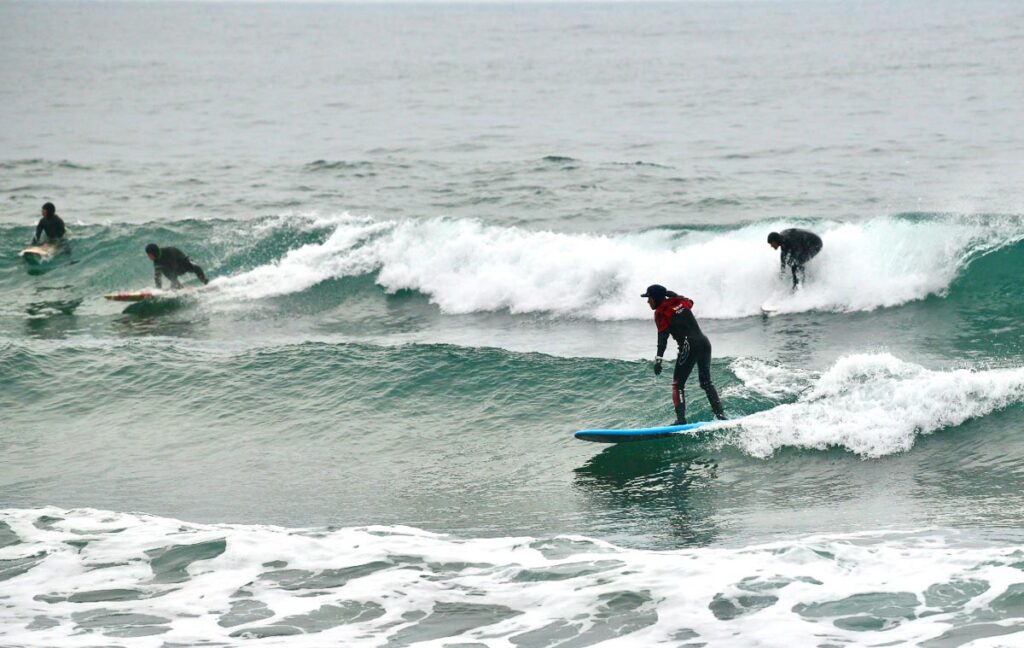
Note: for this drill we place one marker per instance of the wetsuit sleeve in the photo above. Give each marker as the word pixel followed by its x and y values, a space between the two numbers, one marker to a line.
pixel 662 343
pixel 661 321
pixel 200 274
pixel 39 232
pixel 156 276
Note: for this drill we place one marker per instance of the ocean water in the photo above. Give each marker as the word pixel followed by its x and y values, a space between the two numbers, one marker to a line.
pixel 427 228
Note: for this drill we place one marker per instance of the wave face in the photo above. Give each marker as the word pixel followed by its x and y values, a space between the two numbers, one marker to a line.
pixel 450 438
pixel 83 576
pixel 465 266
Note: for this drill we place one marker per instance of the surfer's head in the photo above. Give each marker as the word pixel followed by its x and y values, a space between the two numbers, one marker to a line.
pixel 49 210
pixel 152 251
pixel 655 294
pixel 774 240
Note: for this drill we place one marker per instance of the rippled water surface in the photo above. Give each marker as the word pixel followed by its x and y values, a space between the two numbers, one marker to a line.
pixel 427 229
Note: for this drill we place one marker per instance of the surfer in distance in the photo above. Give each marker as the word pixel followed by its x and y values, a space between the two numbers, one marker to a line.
pixel 798 247
pixel 51 224
pixel 172 263
pixel 673 316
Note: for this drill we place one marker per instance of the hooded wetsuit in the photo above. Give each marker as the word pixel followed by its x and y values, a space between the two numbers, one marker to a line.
pixel 798 247
pixel 674 317
pixel 54 228
pixel 172 262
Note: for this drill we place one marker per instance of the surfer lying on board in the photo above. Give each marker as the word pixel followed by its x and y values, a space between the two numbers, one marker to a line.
pixel 50 223
pixel 673 317
pixel 171 262
pixel 798 247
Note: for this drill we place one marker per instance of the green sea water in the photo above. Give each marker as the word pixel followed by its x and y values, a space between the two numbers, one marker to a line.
pixel 267 400
pixel 427 229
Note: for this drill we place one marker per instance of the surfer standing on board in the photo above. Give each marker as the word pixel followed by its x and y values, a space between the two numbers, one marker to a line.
pixel 171 262
pixel 50 223
pixel 672 316
pixel 798 247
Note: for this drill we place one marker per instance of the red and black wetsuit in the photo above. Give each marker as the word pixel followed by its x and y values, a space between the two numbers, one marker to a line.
pixel 674 317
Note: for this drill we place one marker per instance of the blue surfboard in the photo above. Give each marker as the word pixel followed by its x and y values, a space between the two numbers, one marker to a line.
pixel 639 434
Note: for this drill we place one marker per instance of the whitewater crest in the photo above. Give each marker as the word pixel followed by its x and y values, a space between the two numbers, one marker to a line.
pixel 465 266
pixel 85 577
pixel 870 404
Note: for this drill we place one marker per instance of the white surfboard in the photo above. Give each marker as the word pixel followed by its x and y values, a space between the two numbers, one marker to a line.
pixel 37 254
pixel 151 293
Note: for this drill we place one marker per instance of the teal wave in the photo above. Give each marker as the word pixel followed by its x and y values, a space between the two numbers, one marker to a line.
pixel 420 384
pixel 111 257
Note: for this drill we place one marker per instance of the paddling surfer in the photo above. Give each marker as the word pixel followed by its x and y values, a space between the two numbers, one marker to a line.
pixel 51 224
pixel 171 263
pixel 672 316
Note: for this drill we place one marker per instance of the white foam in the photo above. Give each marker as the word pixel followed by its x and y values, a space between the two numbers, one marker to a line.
pixel 674 592
pixel 771 380
pixel 873 405
pixel 304 267
pixel 465 266
pixel 307 221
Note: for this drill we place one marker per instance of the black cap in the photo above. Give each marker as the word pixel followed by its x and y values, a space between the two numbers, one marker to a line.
pixel 655 290
pixel 49 209
pixel 152 249
pixel 774 237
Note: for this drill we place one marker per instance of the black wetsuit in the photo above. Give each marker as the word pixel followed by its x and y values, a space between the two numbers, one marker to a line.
pixel 172 262
pixel 54 228
pixel 798 247
pixel 673 317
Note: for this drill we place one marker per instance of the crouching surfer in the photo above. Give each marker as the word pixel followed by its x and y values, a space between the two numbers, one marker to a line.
pixel 673 316
pixel 171 263
pixel 798 247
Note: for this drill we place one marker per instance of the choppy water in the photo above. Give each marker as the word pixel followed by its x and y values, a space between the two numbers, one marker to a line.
pixel 427 229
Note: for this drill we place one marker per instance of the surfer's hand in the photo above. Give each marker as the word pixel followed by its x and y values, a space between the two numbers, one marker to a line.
pixel 657 366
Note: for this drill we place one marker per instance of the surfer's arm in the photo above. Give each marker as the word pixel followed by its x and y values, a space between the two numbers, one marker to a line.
pixel 156 277
pixel 200 274
pixel 39 232
pixel 662 342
